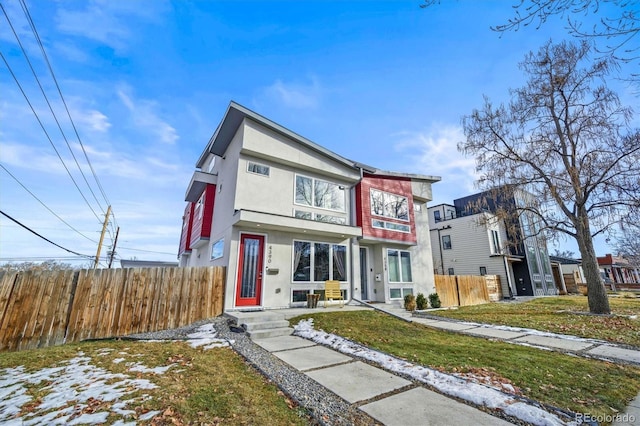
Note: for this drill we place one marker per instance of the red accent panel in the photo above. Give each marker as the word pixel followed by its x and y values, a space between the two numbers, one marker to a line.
pixel 187 225
pixel 203 214
pixel 393 185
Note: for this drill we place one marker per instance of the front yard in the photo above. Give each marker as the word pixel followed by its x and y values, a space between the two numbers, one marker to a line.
pixel 567 382
pixel 159 383
pixel 563 314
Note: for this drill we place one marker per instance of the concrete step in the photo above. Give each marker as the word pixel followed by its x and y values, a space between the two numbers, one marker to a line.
pixel 271 332
pixel 264 325
pixel 252 317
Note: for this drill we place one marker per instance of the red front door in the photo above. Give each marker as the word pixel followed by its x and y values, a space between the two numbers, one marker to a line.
pixel 250 262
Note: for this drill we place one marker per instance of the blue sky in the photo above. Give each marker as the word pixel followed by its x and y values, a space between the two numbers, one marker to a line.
pixel 146 83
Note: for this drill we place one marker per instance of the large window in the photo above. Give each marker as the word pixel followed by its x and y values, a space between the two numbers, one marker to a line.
pixel 319 193
pixel 399 266
pixel 389 205
pixel 314 261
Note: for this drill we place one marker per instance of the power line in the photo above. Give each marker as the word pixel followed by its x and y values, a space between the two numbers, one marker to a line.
pixel 44 238
pixel 33 71
pixel 46 133
pixel 44 54
pixel 146 251
pixel 45 206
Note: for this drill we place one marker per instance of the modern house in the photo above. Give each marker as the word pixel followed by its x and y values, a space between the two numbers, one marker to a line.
pixel 284 215
pixel 468 237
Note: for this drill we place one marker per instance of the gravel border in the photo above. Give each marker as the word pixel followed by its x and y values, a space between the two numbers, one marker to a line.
pixel 322 405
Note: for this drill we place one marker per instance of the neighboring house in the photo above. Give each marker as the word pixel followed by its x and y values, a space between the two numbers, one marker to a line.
pixel 618 270
pixel 567 273
pixel 283 215
pixel 468 238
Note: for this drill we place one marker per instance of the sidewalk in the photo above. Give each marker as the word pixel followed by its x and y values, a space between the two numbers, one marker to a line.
pixel 393 400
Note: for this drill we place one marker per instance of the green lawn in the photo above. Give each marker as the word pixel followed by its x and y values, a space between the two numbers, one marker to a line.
pixel 568 382
pixel 563 314
pixel 208 387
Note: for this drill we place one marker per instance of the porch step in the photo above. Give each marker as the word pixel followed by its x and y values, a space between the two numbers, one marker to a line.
pixel 265 325
pixel 261 325
pixel 270 332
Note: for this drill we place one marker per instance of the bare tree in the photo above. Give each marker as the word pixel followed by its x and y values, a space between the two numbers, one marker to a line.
pixel 47 265
pixel 566 139
pixel 627 242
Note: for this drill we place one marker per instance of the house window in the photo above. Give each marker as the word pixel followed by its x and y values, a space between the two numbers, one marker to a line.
pixel 483 270
pixel 314 261
pixel 446 242
pixel 436 216
pixel 450 271
pixel 399 293
pixel 319 193
pixel 300 214
pixel 200 206
pixel 495 242
pixel 217 249
pixel 258 169
pixel 383 224
pixel 399 266
pixel 389 205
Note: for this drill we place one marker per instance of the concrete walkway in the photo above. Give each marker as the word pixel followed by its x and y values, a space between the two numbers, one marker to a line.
pixel 383 395
pixel 388 398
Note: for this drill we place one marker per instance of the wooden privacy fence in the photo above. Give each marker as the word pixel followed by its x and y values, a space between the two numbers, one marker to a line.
pixel 46 308
pixel 464 290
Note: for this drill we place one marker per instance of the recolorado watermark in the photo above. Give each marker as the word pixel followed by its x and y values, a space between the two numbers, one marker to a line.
pixel 606 418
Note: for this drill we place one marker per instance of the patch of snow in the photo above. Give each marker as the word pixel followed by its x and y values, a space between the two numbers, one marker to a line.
pixel 206 336
pixel 118 360
pixel 75 382
pixel 446 383
pixel 144 369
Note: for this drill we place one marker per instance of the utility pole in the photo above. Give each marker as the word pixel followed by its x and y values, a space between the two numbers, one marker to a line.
pixel 113 249
pixel 104 230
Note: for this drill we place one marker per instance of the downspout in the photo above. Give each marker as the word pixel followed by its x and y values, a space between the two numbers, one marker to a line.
pixel 352 203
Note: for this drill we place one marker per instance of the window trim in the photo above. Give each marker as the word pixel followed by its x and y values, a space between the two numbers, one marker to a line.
pixel 450 245
pixel 250 163
pixel 313 193
pixel 312 244
pixel 386 228
pixel 402 281
pixel 371 190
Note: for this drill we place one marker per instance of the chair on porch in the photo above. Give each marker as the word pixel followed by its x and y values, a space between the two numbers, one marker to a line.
pixel 332 292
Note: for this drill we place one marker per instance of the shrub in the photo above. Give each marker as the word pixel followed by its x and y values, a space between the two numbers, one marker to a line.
pixel 421 302
pixel 434 300
pixel 410 302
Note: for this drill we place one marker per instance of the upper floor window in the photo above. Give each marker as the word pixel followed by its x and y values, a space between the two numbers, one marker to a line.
pixel 389 205
pixel 495 242
pixel 259 169
pixel 436 216
pixel 200 206
pixel 446 242
pixel 319 193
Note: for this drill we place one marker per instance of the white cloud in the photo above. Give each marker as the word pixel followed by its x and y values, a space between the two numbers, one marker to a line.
pixel 295 95
pixel 108 22
pixel 144 116
pixel 434 152
pixel 93 119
